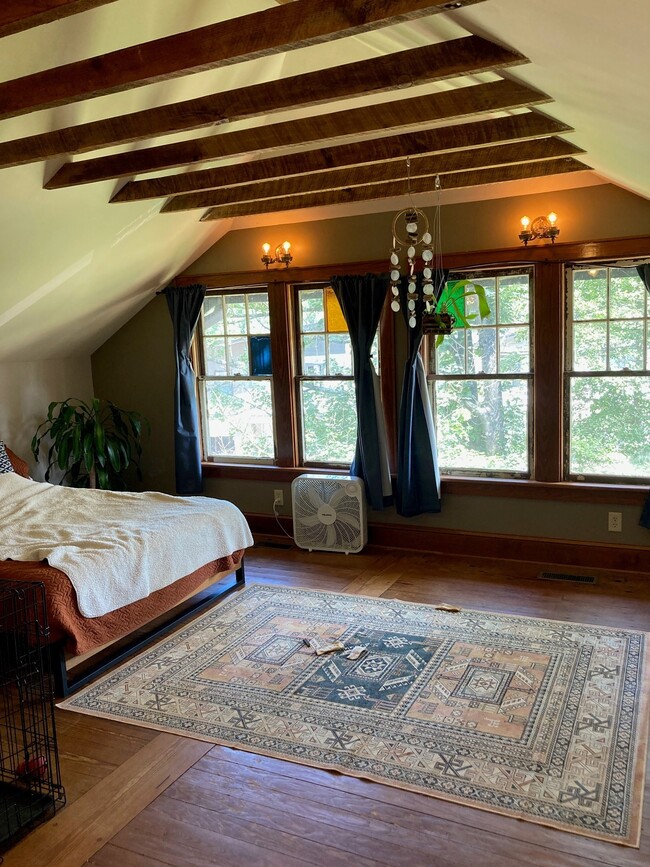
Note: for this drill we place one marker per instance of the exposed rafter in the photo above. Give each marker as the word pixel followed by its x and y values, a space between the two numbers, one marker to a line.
pixel 17 15
pixel 520 127
pixel 397 188
pixel 465 56
pixel 374 173
pixel 271 31
pixel 417 111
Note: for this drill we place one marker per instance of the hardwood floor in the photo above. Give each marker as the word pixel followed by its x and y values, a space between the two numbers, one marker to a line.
pixel 140 797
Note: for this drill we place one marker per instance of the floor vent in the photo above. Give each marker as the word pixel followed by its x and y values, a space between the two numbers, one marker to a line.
pixel 561 576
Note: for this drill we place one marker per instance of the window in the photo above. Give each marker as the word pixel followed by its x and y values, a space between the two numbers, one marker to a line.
pixel 607 391
pixel 325 385
pixel 236 385
pixel 276 382
pixel 480 380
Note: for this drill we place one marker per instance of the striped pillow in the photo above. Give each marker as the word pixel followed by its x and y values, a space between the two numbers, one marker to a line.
pixel 5 464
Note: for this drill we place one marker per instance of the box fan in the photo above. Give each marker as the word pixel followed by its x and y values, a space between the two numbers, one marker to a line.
pixel 329 513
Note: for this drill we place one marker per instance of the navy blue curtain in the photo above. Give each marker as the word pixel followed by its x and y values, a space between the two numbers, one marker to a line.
pixel 418 475
pixel 184 308
pixel 644 274
pixel 362 300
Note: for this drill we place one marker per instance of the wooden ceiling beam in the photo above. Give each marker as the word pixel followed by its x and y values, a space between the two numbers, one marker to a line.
pixel 465 56
pixel 396 170
pixel 417 111
pixel 17 15
pixel 519 127
pixel 271 31
pixel 477 177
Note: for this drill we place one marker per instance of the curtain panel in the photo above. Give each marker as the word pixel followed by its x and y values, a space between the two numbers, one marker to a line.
pixel 184 305
pixel 362 299
pixel 418 474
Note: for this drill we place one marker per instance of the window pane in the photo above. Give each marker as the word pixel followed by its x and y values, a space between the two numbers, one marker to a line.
pixel 235 314
pixel 238 363
pixel 335 319
pixel 258 313
pixel 482 350
pixel 626 294
pixel 610 419
pixel 626 345
pixel 213 315
pixel 514 350
pixel 329 420
pixel 215 356
pixel 590 294
pixel 482 425
pixel 313 355
pixel 450 355
pixel 471 302
pixel 312 315
pixel 239 419
pixel 261 357
pixel 339 351
pixel 590 346
pixel 514 298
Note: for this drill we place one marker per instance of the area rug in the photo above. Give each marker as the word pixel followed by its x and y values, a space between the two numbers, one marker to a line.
pixel 538 719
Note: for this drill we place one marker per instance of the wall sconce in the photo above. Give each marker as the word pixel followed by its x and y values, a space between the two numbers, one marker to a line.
pixel 282 254
pixel 540 227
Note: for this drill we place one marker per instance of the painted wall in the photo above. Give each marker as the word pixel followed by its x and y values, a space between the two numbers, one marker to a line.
pixel 590 213
pixel 135 367
pixel 26 390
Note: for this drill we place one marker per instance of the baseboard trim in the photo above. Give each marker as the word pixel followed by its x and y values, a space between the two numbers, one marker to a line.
pixel 628 558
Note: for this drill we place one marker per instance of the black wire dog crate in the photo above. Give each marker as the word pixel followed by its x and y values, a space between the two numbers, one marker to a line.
pixel 30 776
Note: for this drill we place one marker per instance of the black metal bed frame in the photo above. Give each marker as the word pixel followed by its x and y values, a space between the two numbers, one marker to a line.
pixel 122 649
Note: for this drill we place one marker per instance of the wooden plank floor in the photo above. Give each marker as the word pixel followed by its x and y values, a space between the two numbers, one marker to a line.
pixel 138 797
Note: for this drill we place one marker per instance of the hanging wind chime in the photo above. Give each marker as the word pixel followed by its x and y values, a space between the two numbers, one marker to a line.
pixel 411 234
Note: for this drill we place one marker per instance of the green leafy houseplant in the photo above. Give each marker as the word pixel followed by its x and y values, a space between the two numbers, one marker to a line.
pixel 92 443
pixel 449 309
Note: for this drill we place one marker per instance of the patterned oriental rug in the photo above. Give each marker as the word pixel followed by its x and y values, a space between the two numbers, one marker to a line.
pixel 537 719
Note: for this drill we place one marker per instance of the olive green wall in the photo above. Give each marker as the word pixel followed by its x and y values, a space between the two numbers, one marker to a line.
pixel 586 214
pixel 135 368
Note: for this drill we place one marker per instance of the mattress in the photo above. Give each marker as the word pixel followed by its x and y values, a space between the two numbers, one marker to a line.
pixel 82 634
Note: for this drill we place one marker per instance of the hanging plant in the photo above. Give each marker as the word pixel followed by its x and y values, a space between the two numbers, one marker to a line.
pixel 449 311
pixel 92 443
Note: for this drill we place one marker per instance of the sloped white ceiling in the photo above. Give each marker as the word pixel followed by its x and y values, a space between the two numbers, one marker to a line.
pixel 75 268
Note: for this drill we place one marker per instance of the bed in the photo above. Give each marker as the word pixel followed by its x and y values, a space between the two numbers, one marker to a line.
pixel 83 646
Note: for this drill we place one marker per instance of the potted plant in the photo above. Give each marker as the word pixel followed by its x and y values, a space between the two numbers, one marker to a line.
pixel 92 443
pixel 449 308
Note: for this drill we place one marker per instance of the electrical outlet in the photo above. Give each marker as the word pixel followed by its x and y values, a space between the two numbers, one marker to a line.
pixel 615 522
pixel 278 497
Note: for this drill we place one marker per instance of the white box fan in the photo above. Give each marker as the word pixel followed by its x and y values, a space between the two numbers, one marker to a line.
pixel 329 513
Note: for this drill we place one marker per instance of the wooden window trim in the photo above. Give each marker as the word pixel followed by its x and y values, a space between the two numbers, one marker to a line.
pixel 550 263
pixel 282 295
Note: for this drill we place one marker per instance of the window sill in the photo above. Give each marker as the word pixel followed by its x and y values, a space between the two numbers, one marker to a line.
pixel 524 489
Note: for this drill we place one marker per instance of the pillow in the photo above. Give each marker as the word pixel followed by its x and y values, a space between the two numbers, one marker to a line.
pixel 18 465
pixel 5 464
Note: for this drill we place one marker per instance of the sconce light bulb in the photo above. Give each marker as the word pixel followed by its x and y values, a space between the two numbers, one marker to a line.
pixel 525 222
pixel 552 218
pixel 286 246
pixel 266 248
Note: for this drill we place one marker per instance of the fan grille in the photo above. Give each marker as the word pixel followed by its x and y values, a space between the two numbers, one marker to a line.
pixel 329 514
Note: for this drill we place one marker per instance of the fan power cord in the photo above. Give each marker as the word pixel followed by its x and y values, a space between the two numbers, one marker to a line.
pixel 277 518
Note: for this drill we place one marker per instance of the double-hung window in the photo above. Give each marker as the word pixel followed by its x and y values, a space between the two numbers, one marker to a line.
pixel 607 378
pixel 328 416
pixel 237 376
pixel 480 380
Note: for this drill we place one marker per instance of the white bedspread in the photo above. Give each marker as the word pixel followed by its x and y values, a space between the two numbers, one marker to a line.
pixel 115 547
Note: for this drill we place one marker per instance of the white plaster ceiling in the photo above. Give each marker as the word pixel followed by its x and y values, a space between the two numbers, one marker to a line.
pixel 75 268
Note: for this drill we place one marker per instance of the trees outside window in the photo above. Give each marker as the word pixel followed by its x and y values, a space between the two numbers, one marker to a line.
pixel 480 380
pixel 607 391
